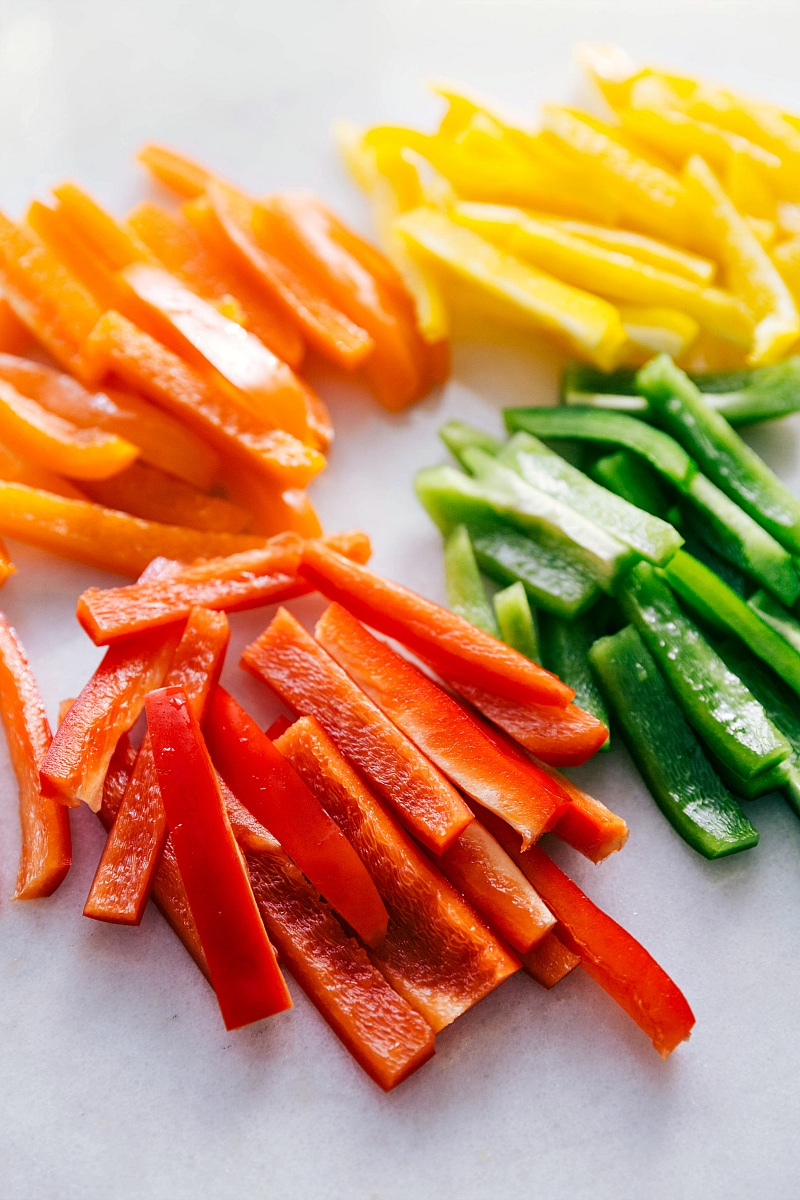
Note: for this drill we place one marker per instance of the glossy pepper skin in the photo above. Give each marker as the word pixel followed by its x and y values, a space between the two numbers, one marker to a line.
pixel 666 751
pixel 241 961
pixel 466 594
pixel 566 646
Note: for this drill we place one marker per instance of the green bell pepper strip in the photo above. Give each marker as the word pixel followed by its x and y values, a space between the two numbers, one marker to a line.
pixel 710 599
pixel 715 702
pixel 762 784
pixel 649 536
pixel 466 594
pixel 720 452
pixel 700 549
pixel 776 616
pixel 516 621
pixel 734 534
pixel 565 652
pixel 626 475
pixel 550 520
pixel 665 749
pixel 458 437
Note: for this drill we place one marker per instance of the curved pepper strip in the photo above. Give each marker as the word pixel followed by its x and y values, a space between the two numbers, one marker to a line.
pixel 310 682
pixel 16 469
pixel 522 795
pixel 124 875
pixel 452 646
pixel 241 962
pixel 608 953
pixel 437 952
pixel 146 492
pixel 46 853
pixel 273 792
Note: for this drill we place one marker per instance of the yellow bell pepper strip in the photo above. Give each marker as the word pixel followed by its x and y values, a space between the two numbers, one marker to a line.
pixel 651 251
pixel 16 469
pixel 591 327
pixel 102 537
pixel 46 853
pixel 116 345
pixel 657 331
pixel 608 272
pixel 58 311
pixel 752 274
pixel 15 337
pixel 57 444
pixel 149 493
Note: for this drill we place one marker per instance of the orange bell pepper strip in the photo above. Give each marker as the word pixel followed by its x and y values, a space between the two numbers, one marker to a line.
pixel 58 311
pixel 453 646
pixel 103 537
pixel 46 844
pixel 268 786
pixel 308 681
pixel 175 242
pixel 479 868
pixel 520 793
pixel 231 583
pixel 227 222
pixel 110 241
pixel 241 961
pixel 56 443
pixel 16 469
pixel 550 961
pixel 175 170
pixel 437 954
pixel 608 953
pixel 124 875
pixel 163 442
pixel 117 345
pixel 562 737
pixel 272 507
pixel 15 338
pixel 149 493
pixel 75 765
pixel 6 565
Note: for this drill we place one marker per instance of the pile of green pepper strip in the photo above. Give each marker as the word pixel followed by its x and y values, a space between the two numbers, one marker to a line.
pixel 653 565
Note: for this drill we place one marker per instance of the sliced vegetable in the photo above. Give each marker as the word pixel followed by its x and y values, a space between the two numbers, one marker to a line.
pixel 776 616
pixel 550 961
pixel 566 646
pixel 466 595
pixel 627 476
pixel 146 492
pixel 516 621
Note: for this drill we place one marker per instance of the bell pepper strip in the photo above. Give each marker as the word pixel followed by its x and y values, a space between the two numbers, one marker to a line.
pixel 175 242
pixel 230 583
pixel 753 275
pixel 565 647
pixel 57 310
pixel 552 581
pixel 176 171
pixel 75 764
pixel 14 336
pixel 6 565
pixel 273 508
pixel 309 681
pixel 551 519
pixel 652 538
pixel 466 595
pixel 720 451
pixel 163 442
pixel 104 537
pixel 549 962
pixel 611 273
pixel 437 954
pixel 776 616
pixel 770 780
pixel 228 222
pixel 241 962
pixel 666 751
pixel 269 787
pixel 761 394
pixel 648 251
pixel 58 444
pixel 627 476
pixel 279 726
pixel 589 325
pixel 516 622
pixel 445 640
pixel 146 492
pixel 608 953
pixel 124 875
pixel 16 469
pixel 46 853
pixel 719 707
pixel 458 436
pixel 524 796
pixel 118 346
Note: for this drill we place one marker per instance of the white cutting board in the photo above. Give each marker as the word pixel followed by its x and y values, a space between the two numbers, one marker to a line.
pixel 117 1079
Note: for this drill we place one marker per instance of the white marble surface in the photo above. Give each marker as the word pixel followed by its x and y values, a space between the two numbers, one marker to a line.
pixel 117 1080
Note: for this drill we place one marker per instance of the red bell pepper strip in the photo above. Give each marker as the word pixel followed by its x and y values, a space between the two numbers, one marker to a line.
pixel 608 953
pixel 131 854
pixel 276 796
pixel 278 726
pixel 232 583
pixel 46 844
pixel 241 961
pixel 308 681
pixel 454 647
pixel 478 867
pixel 75 766
pixel 519 792
pixel 550 961
pixel 561 737
pixel 437 954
